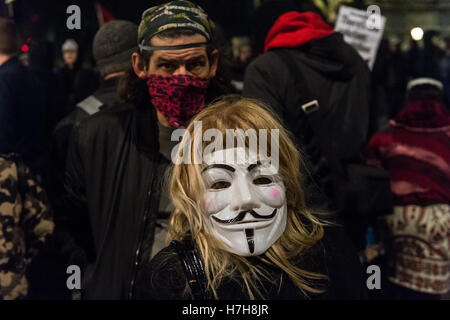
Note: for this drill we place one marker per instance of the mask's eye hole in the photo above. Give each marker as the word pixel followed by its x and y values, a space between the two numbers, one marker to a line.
pixel 262 180
pixel 220 185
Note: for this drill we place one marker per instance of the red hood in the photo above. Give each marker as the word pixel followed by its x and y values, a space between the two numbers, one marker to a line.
pixel 293 29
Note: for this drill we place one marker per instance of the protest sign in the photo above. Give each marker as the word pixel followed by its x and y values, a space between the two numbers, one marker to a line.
pixel 362 30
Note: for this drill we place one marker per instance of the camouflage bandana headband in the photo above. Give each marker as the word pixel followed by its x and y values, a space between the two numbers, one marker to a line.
pixel 172 15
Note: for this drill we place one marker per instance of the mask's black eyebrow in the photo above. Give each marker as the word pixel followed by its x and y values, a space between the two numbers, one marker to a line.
pixel 220 166
pixel 253 166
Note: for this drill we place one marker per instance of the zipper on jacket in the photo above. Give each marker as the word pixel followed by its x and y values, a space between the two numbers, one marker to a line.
pixel 142 235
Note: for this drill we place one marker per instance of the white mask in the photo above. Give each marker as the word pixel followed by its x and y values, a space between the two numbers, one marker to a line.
pixel 245 200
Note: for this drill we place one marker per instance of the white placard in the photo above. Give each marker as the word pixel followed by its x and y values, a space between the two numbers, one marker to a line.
pixel 362 30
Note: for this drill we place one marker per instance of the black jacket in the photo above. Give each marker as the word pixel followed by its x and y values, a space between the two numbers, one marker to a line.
pixel 106 96
pixel 334 256
pixel 114 168
pixel 22 113
pixel 336 76
pixel 55 259
pixel 114 177
pixel 73 85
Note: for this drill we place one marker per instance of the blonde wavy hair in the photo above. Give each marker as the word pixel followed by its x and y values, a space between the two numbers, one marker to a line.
pixel 303 228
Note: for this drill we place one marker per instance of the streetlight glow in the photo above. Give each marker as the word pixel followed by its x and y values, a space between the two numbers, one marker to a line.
pixel 417 33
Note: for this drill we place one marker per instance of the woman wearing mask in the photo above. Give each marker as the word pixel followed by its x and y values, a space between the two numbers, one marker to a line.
pixel 241 228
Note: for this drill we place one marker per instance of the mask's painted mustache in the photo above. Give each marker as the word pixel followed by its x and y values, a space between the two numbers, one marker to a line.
pixel 242 214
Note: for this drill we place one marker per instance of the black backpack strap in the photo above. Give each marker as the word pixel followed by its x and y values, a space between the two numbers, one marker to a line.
pixel 313 112
pixel 308 102
pixel 193 267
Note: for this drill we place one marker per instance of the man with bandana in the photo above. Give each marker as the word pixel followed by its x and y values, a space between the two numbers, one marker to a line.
pixel 115 193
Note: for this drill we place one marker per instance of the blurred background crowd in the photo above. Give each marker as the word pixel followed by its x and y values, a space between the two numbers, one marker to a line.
pixel 416 42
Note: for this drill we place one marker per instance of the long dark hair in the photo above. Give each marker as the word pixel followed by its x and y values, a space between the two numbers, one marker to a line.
pixel 131 88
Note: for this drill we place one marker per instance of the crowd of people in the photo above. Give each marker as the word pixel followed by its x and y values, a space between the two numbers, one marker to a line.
pixel 92 176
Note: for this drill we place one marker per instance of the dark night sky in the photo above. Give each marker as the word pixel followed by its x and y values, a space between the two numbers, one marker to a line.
pixel 233 15
pixel 46 19
pixel 35 17
pixel 39 18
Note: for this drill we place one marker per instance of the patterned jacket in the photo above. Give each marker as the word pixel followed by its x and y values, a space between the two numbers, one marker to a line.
pixel 25 222
pixel 415 150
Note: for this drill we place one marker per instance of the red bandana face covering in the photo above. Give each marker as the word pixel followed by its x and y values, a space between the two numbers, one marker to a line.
pixel 178 97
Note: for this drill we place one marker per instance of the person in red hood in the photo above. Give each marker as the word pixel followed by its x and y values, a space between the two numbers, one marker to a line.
pixel 320 87
pixel 415 149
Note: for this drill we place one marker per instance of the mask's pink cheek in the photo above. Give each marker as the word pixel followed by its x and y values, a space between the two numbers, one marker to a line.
pixel 207 203
pixel 274 193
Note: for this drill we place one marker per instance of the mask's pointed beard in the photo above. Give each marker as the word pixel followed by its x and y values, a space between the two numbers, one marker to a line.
pixel 250 239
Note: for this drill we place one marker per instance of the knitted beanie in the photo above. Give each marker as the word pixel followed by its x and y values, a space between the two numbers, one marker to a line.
pixel 69 45
pixel 113 45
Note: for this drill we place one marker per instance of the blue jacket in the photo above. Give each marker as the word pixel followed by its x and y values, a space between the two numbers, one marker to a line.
pixel 22 113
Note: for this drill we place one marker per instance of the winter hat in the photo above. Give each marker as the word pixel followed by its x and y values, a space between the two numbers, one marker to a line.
pixel 9 39
pixel 69 45
pixel 293 29
pixel 113 45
